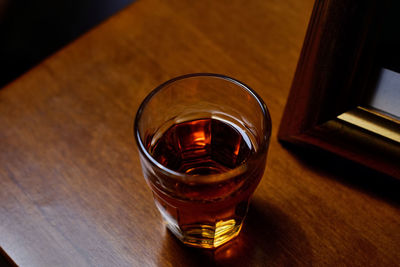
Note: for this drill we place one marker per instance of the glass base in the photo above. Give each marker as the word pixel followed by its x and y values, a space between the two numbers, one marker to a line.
pixel 205 235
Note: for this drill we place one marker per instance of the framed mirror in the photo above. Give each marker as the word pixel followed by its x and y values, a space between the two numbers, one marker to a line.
pixel 345 95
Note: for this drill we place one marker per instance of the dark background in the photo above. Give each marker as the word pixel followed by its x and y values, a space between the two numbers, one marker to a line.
pixel 30 30
pixel 389 39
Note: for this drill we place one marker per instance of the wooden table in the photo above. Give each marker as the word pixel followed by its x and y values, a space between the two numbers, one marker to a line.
pixel 71 188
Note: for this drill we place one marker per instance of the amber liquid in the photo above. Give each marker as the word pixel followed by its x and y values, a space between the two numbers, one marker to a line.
pixel 204 214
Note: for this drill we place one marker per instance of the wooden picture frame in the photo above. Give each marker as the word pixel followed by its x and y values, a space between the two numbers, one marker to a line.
pixel 336 70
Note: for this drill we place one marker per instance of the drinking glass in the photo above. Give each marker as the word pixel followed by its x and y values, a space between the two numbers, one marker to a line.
pixel 203 141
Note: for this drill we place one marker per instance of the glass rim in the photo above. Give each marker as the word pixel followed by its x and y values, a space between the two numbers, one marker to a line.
pixel 210 177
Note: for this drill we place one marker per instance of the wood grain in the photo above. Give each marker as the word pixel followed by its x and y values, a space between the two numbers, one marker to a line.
pixel 72 192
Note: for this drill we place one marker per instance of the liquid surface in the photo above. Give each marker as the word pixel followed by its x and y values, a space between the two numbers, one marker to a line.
pixel 204 146
pixel 204 214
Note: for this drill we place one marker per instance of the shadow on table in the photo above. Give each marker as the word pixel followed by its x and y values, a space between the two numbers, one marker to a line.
pixel 269 237
pixel 348 172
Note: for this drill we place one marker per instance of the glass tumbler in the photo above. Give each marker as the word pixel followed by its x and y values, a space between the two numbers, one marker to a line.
pixel 203 141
